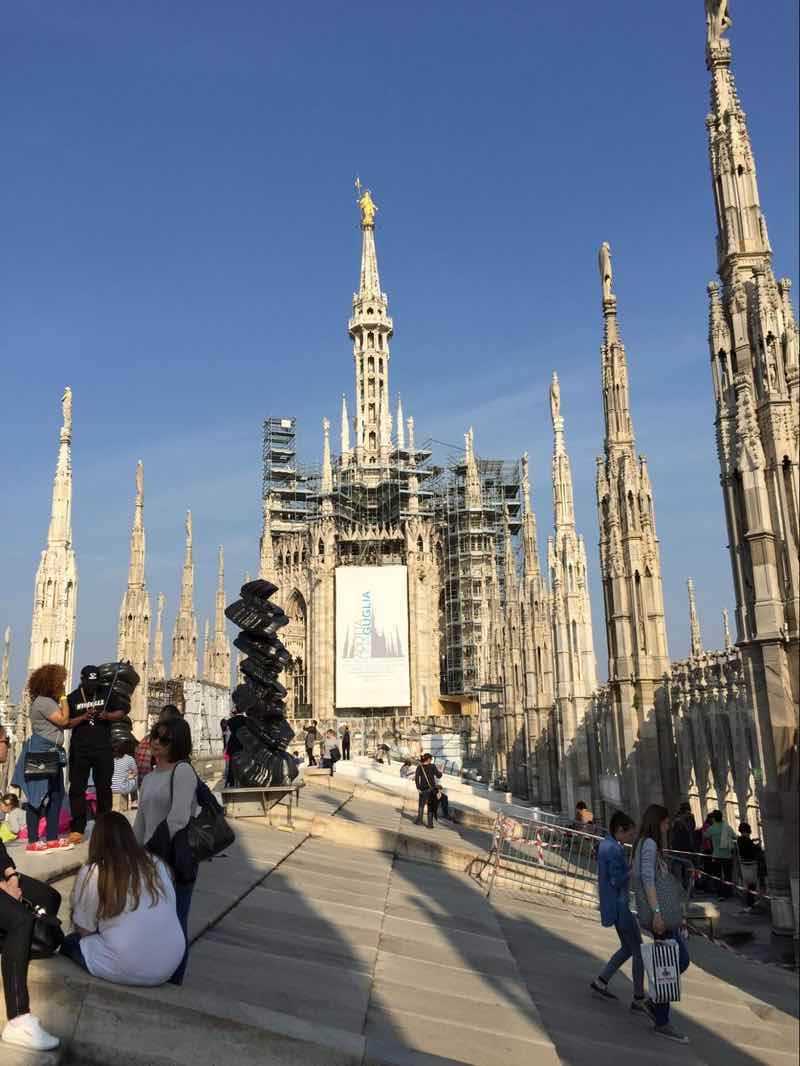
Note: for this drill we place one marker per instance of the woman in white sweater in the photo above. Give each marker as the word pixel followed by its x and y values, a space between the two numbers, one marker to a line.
pixel 168 794
pixel 123 910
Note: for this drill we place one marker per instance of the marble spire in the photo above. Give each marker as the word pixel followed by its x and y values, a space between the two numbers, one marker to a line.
pixel 370 328
pixel 401 426
pixel 133 639
pixel 184 635
pixel 345 431
pixel 5 684
pixel 326 483
pixel 696 640
pixel 56 586
pixel 726 630
pixel 473 484
pixel 220 672
pixel 157 671
pixel 207 668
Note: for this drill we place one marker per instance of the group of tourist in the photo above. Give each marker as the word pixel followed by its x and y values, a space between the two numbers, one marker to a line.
pixel 126 895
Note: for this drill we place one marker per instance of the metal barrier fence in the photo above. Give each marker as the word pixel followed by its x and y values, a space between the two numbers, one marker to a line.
pixel 563 860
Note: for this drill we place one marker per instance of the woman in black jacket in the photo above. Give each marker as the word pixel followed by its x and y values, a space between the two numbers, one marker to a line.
pixel 22 1029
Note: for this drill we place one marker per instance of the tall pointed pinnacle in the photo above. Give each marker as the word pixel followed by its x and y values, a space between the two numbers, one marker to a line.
pixel 5 684
pixel 184 636
pixel 696 640
pixel 133 640
pixel 401 426
pixel 327 471
pixel 157 671
pixel 530 546
pixel 472 481
pixel 563 498
pixel 741 226
pixel 411 444
pixel 726 630
pixel 614 367
pixel 56 587
pixel 266 562
pixel 345 431
pixel 220 655
pixel 371 329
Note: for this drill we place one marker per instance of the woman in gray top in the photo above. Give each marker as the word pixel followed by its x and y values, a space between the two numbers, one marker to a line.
pixel 48 714
pixel 656 898
pixel 168 794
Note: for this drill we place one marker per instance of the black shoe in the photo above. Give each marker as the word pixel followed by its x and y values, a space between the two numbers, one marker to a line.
pixel 601 989
pixel 644 1006
pixel 417 821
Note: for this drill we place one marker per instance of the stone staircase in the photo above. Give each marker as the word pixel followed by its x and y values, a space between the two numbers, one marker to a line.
pixel 359 940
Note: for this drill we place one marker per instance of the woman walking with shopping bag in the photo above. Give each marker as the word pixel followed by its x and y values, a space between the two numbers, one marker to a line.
pixel 659 905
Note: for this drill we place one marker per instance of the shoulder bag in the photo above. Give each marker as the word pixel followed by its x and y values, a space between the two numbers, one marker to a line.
pixel 669 892
pixel 205 834
pixel 48 936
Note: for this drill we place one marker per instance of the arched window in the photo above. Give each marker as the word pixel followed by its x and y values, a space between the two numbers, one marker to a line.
pixel 321 548
pixel 420 546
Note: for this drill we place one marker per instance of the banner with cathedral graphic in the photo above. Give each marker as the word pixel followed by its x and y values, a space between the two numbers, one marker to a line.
pixel 372 668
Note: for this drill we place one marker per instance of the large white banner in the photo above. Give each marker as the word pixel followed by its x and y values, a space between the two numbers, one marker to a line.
pixel 372 636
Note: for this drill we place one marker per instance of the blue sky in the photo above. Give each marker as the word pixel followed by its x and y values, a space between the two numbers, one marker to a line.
pixel 180 244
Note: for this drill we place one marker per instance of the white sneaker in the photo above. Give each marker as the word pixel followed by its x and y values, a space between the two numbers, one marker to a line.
pixel 26 1031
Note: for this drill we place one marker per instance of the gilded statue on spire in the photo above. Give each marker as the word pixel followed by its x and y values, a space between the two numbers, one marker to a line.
pixel 368 209
pixel 555 398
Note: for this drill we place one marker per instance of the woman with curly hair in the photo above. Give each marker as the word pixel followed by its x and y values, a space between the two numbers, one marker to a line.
pixel 49 714
pixel 123 909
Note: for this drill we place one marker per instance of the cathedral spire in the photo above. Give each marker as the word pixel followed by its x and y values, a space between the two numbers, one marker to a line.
pixel 327 472
pixel 157 671
pixel 133 639
pixel 410 427
pixel 53 621
pixel 401 426
pixel 5 684
pixel 473 484
pixel 530 547
pixel 370 328
pixel 184 636
pixel 741 226
pixel 614 366
pixel 220 659
pixel 726 631
pixel 345 430
pixel 563 499
pixel 696 640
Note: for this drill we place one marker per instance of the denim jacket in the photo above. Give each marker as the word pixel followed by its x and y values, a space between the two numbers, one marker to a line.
pixel 613 879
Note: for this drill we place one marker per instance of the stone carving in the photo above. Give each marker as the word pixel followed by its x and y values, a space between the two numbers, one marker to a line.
pixel 717 22
pixel 606 275
pixel 368 209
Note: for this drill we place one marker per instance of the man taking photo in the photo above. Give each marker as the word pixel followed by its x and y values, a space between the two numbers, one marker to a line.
pixel 90 750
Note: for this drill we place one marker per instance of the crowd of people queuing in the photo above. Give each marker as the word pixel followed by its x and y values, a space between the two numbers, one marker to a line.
pixel 661 859
pixel 125 894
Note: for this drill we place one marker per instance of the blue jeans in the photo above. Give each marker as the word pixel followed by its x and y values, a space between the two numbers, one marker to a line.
pixel 630 940
pixel 661 1010
pixel 183 901
pixel 71 949
pixel 54 801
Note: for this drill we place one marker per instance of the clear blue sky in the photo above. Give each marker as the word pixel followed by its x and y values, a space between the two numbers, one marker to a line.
pixel 179 243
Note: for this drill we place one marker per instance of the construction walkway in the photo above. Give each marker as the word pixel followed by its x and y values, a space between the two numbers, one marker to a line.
pixel 359 940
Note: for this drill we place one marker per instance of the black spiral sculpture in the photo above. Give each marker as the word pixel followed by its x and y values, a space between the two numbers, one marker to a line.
pixel 264 734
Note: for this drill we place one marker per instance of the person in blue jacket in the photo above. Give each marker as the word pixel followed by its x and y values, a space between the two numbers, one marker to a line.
pixel 613 883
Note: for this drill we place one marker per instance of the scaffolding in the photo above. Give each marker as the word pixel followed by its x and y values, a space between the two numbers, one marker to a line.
pixel 473 546
pixel 290 488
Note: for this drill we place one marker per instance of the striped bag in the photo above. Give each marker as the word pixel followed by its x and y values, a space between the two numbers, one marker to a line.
pixel 661 964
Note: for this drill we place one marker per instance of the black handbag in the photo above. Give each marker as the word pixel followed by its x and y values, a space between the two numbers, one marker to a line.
pixel 42 764
pixel 48 936
pixel 204 835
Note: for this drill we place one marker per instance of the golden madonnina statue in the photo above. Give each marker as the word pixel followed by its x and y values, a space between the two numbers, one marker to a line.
pixel 368 209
